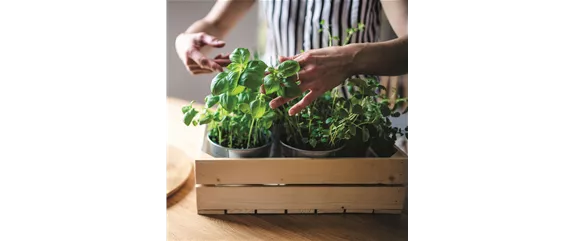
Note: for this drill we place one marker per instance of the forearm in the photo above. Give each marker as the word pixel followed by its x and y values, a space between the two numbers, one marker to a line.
pixel 389 58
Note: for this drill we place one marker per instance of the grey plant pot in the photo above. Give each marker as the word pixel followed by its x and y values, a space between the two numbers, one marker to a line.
pixel 289 151
pixel 225 152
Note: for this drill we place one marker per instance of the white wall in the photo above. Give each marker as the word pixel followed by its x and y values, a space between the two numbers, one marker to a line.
pixel 180 15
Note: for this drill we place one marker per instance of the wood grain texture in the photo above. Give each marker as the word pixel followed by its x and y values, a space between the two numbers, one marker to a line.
pixel 302 171
pixel 300 197
pixel 185 224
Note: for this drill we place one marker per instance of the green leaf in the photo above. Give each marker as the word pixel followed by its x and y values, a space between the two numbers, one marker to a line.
pixel 313 142
pixel 288 68
pixel 271 84
pixel 357 109
pixel 244 107
pixel 233 79
pixel 240 55
pixel 291 90
pixel 281 91
pixel 353 130
pixel 329 120
pixel 269 115
pixel 235 67
pixel 211 100
pixel 246 97
pixel 267 124
pixel 219 84
pixel 258 108
pixel 257 65
pixel 322 21
pixel 228 102
pixel 189 116
pixel 237 90
pixel 252 77
pixel 365 134
pixel 186 108
pixel 205 118
pixel 358 82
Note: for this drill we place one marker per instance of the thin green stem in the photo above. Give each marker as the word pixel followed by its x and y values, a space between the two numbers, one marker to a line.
pixel 250 130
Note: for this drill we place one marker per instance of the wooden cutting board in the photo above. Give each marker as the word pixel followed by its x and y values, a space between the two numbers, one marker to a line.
pixel 179 167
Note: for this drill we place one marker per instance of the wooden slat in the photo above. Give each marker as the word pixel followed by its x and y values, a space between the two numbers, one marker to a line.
pixel 301 171
pixel 319 211
pixel 240 211
pixel 358 210
pixel 207 211
pixel 389 211
pixel 299 197
pixel 270 211
pixel 300 211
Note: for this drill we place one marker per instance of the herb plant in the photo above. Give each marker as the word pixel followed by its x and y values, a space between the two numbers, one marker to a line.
pixel 375 119
pixel 236 113
pixel 332 120
pixel 328 121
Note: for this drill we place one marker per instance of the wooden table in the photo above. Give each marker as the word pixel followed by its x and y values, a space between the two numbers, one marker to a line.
pixel 183 222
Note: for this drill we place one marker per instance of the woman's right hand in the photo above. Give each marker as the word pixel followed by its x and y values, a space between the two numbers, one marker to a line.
pixel 188 47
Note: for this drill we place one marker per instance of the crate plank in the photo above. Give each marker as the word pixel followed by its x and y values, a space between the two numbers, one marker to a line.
pixel 301 171
pixel 300 211
pixel 388 211
pixel 300 197
pixel 340 210
pixel 240 211
pixel 358 210
pixel 270 211
pixel 208 211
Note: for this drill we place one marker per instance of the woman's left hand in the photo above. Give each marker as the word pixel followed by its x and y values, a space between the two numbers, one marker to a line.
pixel 321 71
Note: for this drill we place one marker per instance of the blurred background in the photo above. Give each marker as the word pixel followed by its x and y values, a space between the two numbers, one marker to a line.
pixel 249 33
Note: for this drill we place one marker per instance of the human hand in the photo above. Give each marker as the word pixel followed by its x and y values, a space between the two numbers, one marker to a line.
pixel 321 71
pixel 189 46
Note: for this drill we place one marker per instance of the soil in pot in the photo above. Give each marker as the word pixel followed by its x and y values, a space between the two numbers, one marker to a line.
pixel 298 148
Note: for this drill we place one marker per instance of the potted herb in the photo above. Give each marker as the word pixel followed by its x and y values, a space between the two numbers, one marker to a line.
pixel 236 113
pixel 322 128
pixel 375 123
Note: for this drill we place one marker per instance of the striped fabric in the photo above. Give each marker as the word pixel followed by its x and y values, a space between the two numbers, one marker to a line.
pixel 293 25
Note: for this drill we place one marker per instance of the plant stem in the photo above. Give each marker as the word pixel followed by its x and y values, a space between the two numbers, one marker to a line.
pixel 310 118
pixel 219 135
pixel 250 130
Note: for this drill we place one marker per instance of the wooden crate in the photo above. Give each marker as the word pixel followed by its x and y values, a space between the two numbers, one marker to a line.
pixel 301 185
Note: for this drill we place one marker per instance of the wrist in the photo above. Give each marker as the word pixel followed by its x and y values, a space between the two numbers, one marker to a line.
pixel 356 57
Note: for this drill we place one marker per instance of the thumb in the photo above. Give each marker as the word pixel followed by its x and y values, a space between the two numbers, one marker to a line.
pixel 213 41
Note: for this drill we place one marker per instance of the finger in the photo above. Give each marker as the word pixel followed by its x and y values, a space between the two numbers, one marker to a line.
pixel 307 100
pixel 222 62
pixel 283 58
pixel 212 41
pixel 199 71
pixel 215 66
pixel 279 101
pixel 204 62
pixel 222 56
